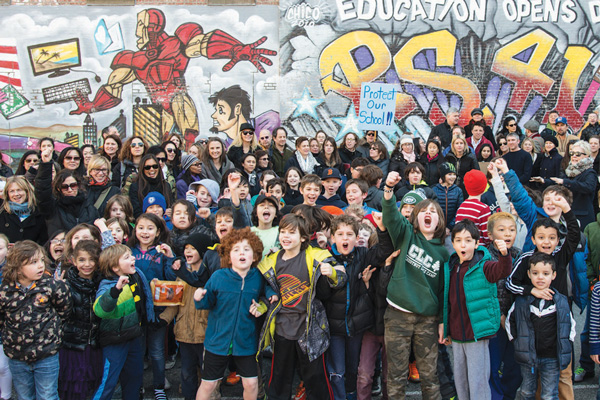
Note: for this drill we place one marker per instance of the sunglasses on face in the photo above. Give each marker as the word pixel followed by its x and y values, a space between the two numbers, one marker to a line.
pixel 137 144
pixel 511 125
pixel 71 186
pixel 69 158
pixel 149 167
pixel 162 159
pixel 36 161
pixel 264 138
pixel 264 159
pixel 197 164
pixel 170 150
pixel 370 134
pixel 203 141
pixel 576 154
pixel 247 133
pixel 502 143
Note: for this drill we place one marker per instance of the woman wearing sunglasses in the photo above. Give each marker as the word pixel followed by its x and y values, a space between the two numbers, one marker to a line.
pixel 72 158
pixel 509 125
pixel 243 144
pixel 99 186
pixel 173 157
pixel 131 154
pixel 161 155
pixel 580 178
pixel 149 179
pixel 62 200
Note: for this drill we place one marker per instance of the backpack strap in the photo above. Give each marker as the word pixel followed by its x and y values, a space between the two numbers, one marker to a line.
pixel 102 197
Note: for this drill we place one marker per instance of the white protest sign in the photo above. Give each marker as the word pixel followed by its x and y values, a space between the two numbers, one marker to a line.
pixel 377 106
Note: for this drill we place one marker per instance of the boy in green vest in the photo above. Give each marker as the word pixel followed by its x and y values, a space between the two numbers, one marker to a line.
pixel 471 308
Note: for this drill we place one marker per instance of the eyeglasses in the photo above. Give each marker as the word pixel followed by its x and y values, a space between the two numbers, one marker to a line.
pixel 170 150
pixel 511 125
pixel 149 167
pixel 137 144
pixel 100 170
pixel 162 159
pixel 57 241
pixel 71 186
pixel 69 158
pixel 247 133
pixel 576 154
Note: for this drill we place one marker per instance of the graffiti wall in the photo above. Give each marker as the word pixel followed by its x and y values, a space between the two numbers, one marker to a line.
pixel 509 57
pixel 67 72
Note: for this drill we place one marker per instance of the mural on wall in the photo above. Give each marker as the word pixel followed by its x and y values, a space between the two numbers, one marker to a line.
pixel 100 66
pixel 508 57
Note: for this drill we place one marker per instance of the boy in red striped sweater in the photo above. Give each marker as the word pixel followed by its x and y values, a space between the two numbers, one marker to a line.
pixel 475 183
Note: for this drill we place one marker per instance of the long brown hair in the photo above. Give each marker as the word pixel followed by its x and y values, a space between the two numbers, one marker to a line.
pixel 440 230
pixel 143 183
pixel 22 253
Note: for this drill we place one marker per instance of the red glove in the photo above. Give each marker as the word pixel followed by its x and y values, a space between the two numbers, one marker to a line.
pixel 102 101
pixel 223 45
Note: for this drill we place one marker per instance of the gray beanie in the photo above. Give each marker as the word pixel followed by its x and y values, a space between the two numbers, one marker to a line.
pixel 187 161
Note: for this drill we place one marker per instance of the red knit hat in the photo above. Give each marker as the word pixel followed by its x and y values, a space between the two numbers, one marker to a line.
pixel 475 182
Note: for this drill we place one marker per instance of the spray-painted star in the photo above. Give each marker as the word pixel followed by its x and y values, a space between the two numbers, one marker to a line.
pixel 306 105
pixel 349 123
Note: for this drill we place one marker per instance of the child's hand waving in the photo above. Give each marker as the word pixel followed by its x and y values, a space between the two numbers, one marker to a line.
pixel 561 203
pixel 254 309
pixel 123 280
pixel 199 294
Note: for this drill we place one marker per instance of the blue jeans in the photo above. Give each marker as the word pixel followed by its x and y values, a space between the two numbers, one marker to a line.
pixel 585 361
pixel 37 380
pixel 155 340
pixel 548 371
pixel 342 362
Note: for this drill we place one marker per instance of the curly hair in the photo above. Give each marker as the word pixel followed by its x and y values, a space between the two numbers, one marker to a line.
pixel 125 153
pixel 87 246
pixel 236 236
pixel 22 253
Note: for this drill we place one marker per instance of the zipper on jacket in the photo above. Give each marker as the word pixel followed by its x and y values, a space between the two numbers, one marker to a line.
pixel 462 321
pixel 237 313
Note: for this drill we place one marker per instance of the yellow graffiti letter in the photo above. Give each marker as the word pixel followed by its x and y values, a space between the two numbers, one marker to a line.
pixel 444 43
pixel 526 75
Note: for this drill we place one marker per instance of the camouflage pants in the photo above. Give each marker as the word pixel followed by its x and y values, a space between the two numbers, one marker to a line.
pixel 401 331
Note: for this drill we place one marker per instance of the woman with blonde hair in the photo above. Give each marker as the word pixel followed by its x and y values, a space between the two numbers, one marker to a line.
pixel 243 144
pixel 20 218
pixel 99 185
pixel 463 160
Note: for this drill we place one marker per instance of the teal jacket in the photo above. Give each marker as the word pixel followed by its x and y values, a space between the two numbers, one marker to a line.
pixel 480 292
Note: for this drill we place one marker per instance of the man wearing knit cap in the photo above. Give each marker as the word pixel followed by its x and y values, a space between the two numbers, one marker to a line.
pixel 477 116
pixel 532 129
pixel 475 183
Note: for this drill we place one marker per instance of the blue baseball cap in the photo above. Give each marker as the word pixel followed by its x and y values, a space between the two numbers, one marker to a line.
pixel 561 120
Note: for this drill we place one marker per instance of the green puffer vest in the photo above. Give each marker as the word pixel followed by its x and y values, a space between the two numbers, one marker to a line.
pixel 480 294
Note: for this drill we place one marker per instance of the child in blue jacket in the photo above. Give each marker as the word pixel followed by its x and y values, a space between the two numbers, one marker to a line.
pixel 232 296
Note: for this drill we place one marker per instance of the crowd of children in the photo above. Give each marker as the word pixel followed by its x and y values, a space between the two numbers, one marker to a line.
pixel 349 281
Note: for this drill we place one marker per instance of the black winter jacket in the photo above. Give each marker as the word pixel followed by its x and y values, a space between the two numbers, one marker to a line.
pixel 179 236
pixel 357 316
pixel 547 166
pixel 538 335
pixel 95 191
pixel 138 208
pixel 60 215
pixel 31 228
pixel 463 165
pixel 121 171
pixel 432 168
pixel 583 187
pixel 81 328
pixel 348 156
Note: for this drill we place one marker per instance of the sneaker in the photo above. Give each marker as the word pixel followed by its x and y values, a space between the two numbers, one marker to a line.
pixel 581 375
pixel 232 379
pixel 413 372
pixel 167 384
pixel 376 386
pixel 170 363
pixel 159 394
pixel 300 392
